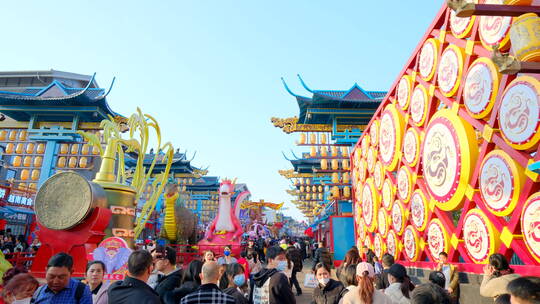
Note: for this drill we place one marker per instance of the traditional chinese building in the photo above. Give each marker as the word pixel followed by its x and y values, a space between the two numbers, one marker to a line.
pixel 41 112
pixel 329 123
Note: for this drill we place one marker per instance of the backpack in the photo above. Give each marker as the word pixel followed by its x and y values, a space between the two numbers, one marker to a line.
pixel 79 292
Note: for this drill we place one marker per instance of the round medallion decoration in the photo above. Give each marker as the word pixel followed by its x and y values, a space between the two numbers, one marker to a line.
pixel 378 175
pixel 448 151
pixel 481 87
pixel 404 91
pixel 461 26
pixel 480 236
pixel 383 222
pixel 370 205
pixel 419 105
pixel 530 225
pixel 357 158
pixel 362 174
pixel 519 113
pixel 494 29
pixel 371 159
pixel 374 132
pixel 411 147
pixel 411 243
pixel 378 245
pixel 367 241
pixel 419 210
pixel 392 243
pixel 404 184
pixel 390 135
pixel 365 145
pixel 450 70
pixel 387 194
pixel 501 181
pixel 437 238
pixel 398 217
pixel 428 59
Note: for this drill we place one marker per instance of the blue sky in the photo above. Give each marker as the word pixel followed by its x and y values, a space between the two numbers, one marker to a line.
pixel 210 71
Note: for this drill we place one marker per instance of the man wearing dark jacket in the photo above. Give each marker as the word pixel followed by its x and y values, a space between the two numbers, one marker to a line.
pixel 322 255
pixel 294 255
pixel 133 289
pixel 271 284
pixel 381 279
pixel 165 262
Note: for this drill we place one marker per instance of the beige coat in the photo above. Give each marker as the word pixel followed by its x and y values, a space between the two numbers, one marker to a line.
pixel 353 297
pixel 495 286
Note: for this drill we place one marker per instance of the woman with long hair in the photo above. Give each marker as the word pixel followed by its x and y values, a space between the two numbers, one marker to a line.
pixel 95 270
pixel 19 289
pixel 352 257
pixel 235 279
pixel 191 280
pixel 349 280
pixel 365 292
pixel 400 285
pixel 328 291
pixel 497 275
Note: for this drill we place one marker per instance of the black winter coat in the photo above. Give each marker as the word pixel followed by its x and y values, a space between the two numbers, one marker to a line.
pixel 329 294
pixel 174 297
pixel 130 291
pixel 295 256
pixel 168 283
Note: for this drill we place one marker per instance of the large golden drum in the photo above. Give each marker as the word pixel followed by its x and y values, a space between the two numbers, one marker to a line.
pixel 66 199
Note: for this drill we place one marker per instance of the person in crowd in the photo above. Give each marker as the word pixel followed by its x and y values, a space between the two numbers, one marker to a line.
pixel 429 293
pixel 156 274
pixel 503 299
pixel 381 280
pixel 525 290
pixel 244 262
pixel 351 257
pixel 95 270
pixel 348 278
pixel 235 280
pixel 295 257
pixel 133 289
pixel 365 292
pixel 191 280
pixel 208 292
pixel 271 285
pixel 377 265
pixel 368 254
pixel 165 262
pixel 226 258
pixel 437 278
pixel 251 247
pixel 322 255
pixel 36 242
pixel 328 291
pixel 19 289
pixel 11 272
pixel 303 251
pixel 60 287
pixel 209 256
pixel 451 276
pixel 400 285
pixel 254 264
pixel 497 275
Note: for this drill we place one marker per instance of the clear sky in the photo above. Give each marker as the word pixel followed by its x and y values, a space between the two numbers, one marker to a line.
pixel 209 70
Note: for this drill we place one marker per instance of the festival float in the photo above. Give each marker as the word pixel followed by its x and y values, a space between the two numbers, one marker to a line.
pixel 458 131
pixel 75 214
pixel 225 229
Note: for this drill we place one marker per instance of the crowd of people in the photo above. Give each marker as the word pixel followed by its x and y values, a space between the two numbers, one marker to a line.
pixel 264 272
